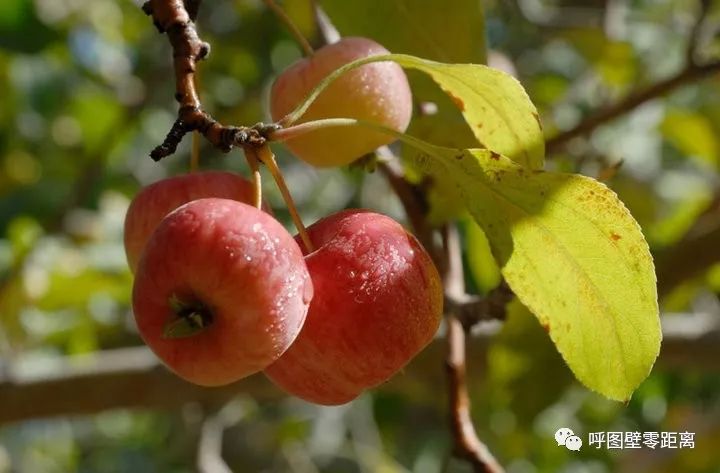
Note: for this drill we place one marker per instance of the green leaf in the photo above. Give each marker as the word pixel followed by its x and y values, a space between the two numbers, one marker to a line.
pixel 494 104
pixel 449 31
pixel 17 18
pixel 98 114
pixel 71 290
pixel 574 256
pixel 614 61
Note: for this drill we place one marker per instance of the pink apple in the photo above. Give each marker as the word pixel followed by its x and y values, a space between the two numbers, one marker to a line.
pixel 377 92
pixel 221 291
pixel 157 200
pixel 378 302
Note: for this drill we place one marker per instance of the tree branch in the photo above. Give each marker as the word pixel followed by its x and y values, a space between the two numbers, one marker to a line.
pixel 175 18
pixel 693 72
pixel 471 309
pixel 690 74
pixel 467 444
pixel 134 378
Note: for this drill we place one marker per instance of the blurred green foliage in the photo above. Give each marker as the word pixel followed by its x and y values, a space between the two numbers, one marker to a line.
pixel 88 92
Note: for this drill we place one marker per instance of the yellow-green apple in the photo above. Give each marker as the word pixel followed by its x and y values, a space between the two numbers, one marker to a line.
pixel 378 302
pixel 221 291
pixel 376 92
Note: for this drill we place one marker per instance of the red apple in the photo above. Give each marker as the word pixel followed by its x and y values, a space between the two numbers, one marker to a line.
pixel 221 291
pixel 157 200
pixel 378 92
pixel 378 302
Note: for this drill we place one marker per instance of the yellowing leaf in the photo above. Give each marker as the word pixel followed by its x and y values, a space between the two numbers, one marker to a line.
pixel 572 253
pixel 451 31
pixel 493 103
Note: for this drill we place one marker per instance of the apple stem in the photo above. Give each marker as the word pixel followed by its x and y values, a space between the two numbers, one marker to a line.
pixel 268 158
pixel 284 134
pixel 293 131
pixel 294 30
pixel 195 152
pixel 252 159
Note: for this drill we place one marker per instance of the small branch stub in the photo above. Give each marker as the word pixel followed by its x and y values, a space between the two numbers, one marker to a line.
pixel 175 18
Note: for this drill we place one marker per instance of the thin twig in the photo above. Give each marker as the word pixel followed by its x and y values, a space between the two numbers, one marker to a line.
pixel 266 156
pixel 252 159
pixel 688 75
pixel 467 444
pixel 294 30
pixel 691 73
pixel 176 19
pixel 471 309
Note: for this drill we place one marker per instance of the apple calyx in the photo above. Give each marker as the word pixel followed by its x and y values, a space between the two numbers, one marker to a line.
pixel 191 318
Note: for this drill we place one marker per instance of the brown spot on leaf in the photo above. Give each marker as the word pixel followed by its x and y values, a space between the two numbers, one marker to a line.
pixel 479 125
pixel 457 101
pixel 494 155
pixel 545 326
pixel 615 236
pixel 459 156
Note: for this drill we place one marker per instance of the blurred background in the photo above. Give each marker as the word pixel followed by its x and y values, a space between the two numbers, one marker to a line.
pixel 88 92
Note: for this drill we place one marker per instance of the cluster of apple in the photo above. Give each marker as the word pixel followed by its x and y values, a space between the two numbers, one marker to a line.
pixel 222 290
